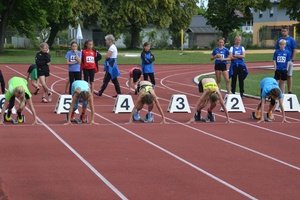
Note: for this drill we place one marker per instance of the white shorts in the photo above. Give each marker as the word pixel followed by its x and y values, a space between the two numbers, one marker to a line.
pixel 290 68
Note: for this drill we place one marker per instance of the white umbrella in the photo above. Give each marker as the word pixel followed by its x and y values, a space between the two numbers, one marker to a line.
pixel 79 36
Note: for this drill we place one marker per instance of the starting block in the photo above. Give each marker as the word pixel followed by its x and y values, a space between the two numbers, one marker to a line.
pixel 63 104
pixel 290 103
pixel 179 104
pixel 2 101
pixel 123 104
pixel 234 103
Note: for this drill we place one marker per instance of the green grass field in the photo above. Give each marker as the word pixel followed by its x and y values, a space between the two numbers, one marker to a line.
pixel 162 57
pixel 253 79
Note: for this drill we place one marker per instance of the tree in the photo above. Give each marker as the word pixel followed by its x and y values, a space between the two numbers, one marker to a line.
pixel 62 13
pixel 292 8
pixel 227 15
pixel 182 15
pixel 24 15
pixel 132 16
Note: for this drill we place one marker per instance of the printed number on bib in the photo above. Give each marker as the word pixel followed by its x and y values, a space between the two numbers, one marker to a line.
pixel 90 59
pixel 123 104
pixel 281 59
pixel 179 103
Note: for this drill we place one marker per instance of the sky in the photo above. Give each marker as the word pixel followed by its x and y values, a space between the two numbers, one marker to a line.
pixel 205 2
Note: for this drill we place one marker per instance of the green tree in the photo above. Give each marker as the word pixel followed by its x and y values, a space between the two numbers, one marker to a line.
pixel 62 13
pixel 182 15
pixel 132 16
pixel 24 15
pixel 292 8
pixel 227 15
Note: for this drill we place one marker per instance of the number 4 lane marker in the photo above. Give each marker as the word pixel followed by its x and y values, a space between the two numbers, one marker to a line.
pixel 123 104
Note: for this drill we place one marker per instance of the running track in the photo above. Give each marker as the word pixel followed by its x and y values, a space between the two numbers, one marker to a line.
pixel 115 160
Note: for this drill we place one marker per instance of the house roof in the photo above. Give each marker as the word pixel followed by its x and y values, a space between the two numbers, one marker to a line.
pixel 198 25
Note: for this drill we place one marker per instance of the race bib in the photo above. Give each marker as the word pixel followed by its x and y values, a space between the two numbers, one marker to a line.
pixel 90 59
pixel 72 58
pixel 281 59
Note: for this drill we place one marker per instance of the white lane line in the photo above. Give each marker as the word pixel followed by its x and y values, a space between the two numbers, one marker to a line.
pixel 84 161
pixel 225 140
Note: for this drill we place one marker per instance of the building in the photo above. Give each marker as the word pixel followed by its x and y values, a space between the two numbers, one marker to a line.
pixel 200 34
pixel 267 25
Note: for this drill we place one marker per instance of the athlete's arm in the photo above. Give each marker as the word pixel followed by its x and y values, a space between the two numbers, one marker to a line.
pixel 31 107
pixel 91 102
pixel 282 111
pixel 223 106
pixel 263 101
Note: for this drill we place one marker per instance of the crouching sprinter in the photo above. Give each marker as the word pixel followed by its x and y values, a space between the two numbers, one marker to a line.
pixel 146 95
pixel 210 95
pixel 269 88
pixel 17 89
pixel 81 93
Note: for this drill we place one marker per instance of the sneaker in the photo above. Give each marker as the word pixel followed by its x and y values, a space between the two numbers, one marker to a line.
pixel 270 115
pixel 83 118
pixel 290 92
pixel 149 118
pixel 7 118
pixel 98 94
pixel 44 100
pixel 36 91
pixel 21 119
pixel 210 117
pixel 49 96
pixel 136 116
pixel 197 116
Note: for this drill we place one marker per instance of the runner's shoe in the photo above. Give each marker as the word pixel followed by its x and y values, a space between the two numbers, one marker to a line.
pixel 50 96
pixel 270 115
pixel 149 118
pixel 211 117
pixel 136 116
pixel 83 118
pixel 21 119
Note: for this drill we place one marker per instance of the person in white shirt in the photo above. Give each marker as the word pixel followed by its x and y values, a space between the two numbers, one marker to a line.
pixel 110 66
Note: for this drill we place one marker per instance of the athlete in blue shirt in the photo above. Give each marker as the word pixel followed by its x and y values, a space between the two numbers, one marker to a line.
pixel 73 60
pixel 291 47
pixel 269 89
pixel 221 55
pixel 237 67
pixel 281 58
pixel 147 63
pixel 81 92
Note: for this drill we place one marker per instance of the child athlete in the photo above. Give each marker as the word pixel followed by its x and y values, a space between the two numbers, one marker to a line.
pixel 146 95
pixel 210 95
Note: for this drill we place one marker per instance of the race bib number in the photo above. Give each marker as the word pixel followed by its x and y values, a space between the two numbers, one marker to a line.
pixel 72 58
pixel 281 59
pixel 90 59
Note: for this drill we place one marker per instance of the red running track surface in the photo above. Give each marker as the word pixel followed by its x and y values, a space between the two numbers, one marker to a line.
pixel 115 160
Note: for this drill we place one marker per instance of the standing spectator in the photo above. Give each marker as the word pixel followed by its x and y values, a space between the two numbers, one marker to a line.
pixel 32 75
pixel 238 68
pixel 89 62
pixel 73 60
pixel 42 60
pixel 281 59
pixel 110 66
pixel 147 63
pixel 221 55
pixel 291 47
pixel 2 82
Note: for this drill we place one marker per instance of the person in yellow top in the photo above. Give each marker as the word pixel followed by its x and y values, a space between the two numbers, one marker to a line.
pixel 146 95
pixel 17 88
pixel 210 94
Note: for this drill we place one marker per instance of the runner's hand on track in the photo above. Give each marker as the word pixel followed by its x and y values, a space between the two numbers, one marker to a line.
pixel 94 123
pixel 261 120
pixel 68 123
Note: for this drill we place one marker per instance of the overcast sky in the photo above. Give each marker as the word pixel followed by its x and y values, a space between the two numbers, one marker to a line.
pixel 204 2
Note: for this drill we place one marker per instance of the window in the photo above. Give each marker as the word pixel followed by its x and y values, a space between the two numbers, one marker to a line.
pixel 271 12
pixel 260 14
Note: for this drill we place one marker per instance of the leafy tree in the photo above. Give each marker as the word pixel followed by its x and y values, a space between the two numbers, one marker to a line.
pixel 292 9
pixel 24 15
pixel 227 15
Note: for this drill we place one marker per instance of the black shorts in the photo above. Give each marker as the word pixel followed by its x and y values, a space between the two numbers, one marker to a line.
pixel 280 75
pixel 89 75
pixel 200 86
pixel 136 75
pixel 220 67
pixel 43 71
